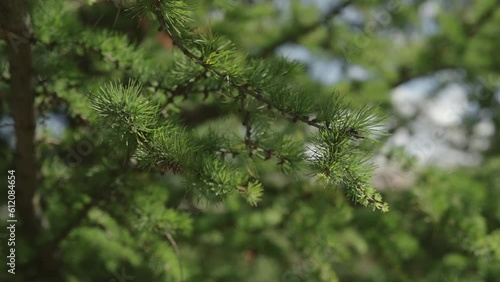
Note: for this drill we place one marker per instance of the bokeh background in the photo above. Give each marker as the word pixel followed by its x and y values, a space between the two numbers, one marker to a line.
pixel 431 67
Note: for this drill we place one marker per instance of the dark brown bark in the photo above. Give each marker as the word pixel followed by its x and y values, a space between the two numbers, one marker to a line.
pixel 16 31
pixel 15 23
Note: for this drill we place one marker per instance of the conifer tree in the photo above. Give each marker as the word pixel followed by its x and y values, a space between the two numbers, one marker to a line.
pixel 164 141
pixel 136 119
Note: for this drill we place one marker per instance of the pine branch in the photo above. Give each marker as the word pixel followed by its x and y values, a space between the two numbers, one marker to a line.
pixel 254 144
pixel 177 253
pixel 293 117
pixel 124 222
pixel 162 145
pixel 179 90
pixel 267 84
pixel 106 190
pixel 246 89
pixel 105 193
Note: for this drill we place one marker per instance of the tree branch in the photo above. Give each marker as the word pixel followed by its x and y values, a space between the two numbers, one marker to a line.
pixel 470 30
pixel 244 89
pixel 104 195
pixel 295 34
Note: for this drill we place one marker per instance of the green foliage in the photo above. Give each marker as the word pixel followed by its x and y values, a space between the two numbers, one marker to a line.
pixel 266 84
pixel 191 153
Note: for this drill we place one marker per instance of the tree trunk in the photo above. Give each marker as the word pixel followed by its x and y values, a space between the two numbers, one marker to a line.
pixel 16 29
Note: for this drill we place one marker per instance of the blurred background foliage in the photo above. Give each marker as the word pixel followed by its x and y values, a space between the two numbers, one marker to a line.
pixel 432 66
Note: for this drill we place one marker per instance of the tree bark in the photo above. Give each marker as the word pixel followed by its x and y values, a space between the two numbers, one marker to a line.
pixel 15 23
pixel 16 31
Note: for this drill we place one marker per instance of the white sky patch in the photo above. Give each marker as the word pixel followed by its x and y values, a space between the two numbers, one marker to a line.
pixel 352 15
pixel 7 130
pixel 400 138
pixel 217 15
pixel 295 52
pixel 484 128
pixel 430 144
pixel 436 136
pixel 429 10
pixel 324 70
pixel 428 13
pixel 358 73
pixel 54 125
pixel 409 97
pixel 323 5
pixel 327 72
pixel 448 108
